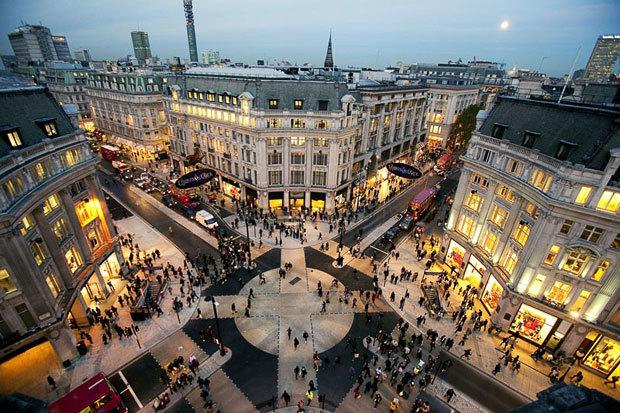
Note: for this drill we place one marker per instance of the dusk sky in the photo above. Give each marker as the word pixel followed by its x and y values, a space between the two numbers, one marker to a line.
pixel 365 33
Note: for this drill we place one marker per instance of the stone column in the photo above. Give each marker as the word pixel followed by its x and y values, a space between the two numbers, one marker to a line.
pixel 50 240
pixel 307 199
pixel 76 227
pixel 63 342
pixel 78 309
pixel 102 284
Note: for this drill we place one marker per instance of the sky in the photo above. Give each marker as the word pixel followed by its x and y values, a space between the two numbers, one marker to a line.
pixel 542 34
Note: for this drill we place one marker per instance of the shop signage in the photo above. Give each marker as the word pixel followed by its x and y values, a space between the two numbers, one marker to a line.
pixel 195 178
pixel 403 170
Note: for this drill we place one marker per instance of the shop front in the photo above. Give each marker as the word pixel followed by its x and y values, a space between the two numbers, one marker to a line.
pixel 92 290
pixel 455 255
pixel 341 198
pixel 317 201
pixel 110 268
pixel 276 200
pixel 492 294
pixel 231 189
pixel 474 272
pixel 603 356
pixel 533 324
pixel 296 200
pixel 251 197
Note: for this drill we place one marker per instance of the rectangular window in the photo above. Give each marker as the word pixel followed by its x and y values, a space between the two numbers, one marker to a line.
pixel 498 216
pixel 566 226
pixel 298 141
pixel 86 211
pixel 39 172
pixel 24 314
pixel 466 225
pixel 583 195
pixel 273 103
pixel 27 224
pixel 275 177
pixel 50 204
pixel 13 138
pixel 580 301
pixel 541 180
pixel 60 229
pixel 615 244
pixel 529 138
pixel 39 252
pixel 436 129
pixel 319 178
pixel 50 129
pixel 609 201
pixel 323 104
pixel 485 155
pixel 509 260
pixel 274 158
pixel 489 243
pixel 320 159
pixel 274 141
pixel 480 181
pixel 532 210
pixel 73 258
pixel 52 284
pixel 514 167
pixel 298 158
pixel 6 282
pixel 536 285
pixel 558 293
pixel 297 177
pixel 505 193
pixel 591 233
pixel 498 130
pixel 552 254
pixel 601 269
pixel 298 104
pixel 323 142
pixel 575 262
pixel 522 233
pixel 474 201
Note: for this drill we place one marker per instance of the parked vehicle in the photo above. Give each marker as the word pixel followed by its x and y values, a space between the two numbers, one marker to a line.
pixel 206 219
pixel 187 211
pixel 127 175
pixel 169 201
pixel 145 176
pixel 389 236
pixel 406 222
pixel 140 183
pixel 148 188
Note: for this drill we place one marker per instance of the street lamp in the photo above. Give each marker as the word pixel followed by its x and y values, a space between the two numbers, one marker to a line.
pixel 217 324
pixel 247 235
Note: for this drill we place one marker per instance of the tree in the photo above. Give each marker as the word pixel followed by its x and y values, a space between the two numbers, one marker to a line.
pixel 463 127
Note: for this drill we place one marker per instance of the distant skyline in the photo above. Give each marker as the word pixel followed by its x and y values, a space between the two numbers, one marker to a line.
pixel 365 33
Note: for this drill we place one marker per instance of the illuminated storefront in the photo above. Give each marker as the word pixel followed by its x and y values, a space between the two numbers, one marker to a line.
pixel 296 200
pixel 110 268
pixel 474 272
pixel 604 356
pixel 492 294
pixel 341 198
pixel 455 255
pixel 533 324
pixel 317 201
pixel 92 289
pixel 230 189
pixel 276 200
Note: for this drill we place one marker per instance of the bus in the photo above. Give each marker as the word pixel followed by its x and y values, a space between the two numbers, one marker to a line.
pixel 109 152
pixel 95 395
pixel 186 197
pixel 444 163
pixel 421 203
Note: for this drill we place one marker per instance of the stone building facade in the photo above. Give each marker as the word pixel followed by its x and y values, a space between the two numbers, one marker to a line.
pixel 535 226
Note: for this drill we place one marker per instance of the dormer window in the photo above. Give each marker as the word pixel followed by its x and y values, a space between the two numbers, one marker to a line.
pixel 323 104
pixel 298 104
pixel 48 126
pixel 563 150
pixel 273 103
pixel 498 130
pixel 529 138
pixel 12 137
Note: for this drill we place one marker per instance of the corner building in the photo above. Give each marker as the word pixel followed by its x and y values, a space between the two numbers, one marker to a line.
pixel 535 226
pixel 58 247
pixel 279 142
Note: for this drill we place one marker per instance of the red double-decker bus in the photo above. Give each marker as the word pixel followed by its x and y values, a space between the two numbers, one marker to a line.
pixel 421 203
pixel 95 395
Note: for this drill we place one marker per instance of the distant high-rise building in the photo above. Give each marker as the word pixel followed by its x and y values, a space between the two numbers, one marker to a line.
pixel 211 57
pixel 191 32
pixel 141 46
pixel 62 48
pixel 35 43
pixel 329 59
pixel 83 55
pixel 603 59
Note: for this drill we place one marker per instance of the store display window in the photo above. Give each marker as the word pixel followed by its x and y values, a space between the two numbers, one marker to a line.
pixel 532 323
pixel 455 255
pixel 604 355
pixel 492 294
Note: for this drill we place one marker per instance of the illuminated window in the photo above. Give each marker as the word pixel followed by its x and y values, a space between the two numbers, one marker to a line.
pixel 583 195
pixel 480 181
pixel 52 284
pixel 39 172
pixel 211 97
pixel 321 124
pixel 51 203
pixel 298 123
pixel 466 225
pixel 50 129
pixel 73 258
pixel 436 129
pixel 498 216
pixel 86 211
pixel 601 269
pixel 576 261
pixel 227 99
pixel 566 226
pixel 514 167
pixel 298 158
pixel 505 193
pixel 541 180
pixel 27 224
pixel 298 104
pixel 522 233
pixel 615 244
pixel 94 239
pixel 38 251
pixel 298 141
pixel 273 103
pixel 532 210
pixel 6 282
pixel 489 243
pixel 558 292
pixel 13 138
pixel 591 233
pixel 580 301
pixel 536 285
pixel 14 187
pixel 609 201
pixel 552 254
pixel 71 157
pixel 274 141
pixel 220 99
pixel 474 201
pixel 321 142
pixel 509 260
pixel 60 229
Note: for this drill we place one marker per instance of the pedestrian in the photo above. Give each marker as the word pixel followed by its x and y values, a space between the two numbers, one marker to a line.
pixel 377 399
pixel 296 371
pixel 497 369
pixel 303 372
pixel 613 380
pixel 51 382
pixel 288 332
pixel 233 308
pixel 305 336
pixel 296 343
pixel 247 312
pixel 467 354
pixel 286 397
pixel 576 378
pixel 449 394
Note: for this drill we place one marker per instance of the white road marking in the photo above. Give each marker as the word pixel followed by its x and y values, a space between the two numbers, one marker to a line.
pixel 122 376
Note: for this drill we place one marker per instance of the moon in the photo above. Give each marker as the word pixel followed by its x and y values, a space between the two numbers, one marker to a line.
pixel 504 25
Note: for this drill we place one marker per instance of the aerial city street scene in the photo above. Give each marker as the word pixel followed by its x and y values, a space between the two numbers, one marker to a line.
pixel 273 206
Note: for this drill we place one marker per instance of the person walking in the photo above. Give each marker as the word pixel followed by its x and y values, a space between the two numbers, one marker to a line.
pixel 296 343
pixel 449 394
pixel 288 332
pixel 497 369
pixel 378 398
pixel 576 378
pixel 296 371
pixel 286 397
pixel 305 336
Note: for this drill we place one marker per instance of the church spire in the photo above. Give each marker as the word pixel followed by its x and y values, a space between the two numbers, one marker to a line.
pixel 329 59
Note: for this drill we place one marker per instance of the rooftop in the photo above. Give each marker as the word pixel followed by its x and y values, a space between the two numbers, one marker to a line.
pixel 590 132
pixel 10 81
pixel 249 72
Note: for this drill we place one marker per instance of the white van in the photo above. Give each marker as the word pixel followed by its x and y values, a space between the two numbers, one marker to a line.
pixel 206 219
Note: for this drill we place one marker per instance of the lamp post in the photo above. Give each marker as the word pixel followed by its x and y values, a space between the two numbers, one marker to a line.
pixel 135 333
pixel 247 235
pixel 217 324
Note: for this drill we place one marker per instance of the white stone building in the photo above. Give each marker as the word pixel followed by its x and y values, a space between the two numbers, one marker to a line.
pixel 535 225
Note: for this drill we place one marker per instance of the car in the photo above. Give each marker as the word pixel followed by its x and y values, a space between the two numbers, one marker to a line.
pixel 148 188
pixel 140 183
pixel 206 219
pixel 145 176
pixel 389 236
pixel 406 223
pixel 169 201
pixel 126 175
pixel 187 212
